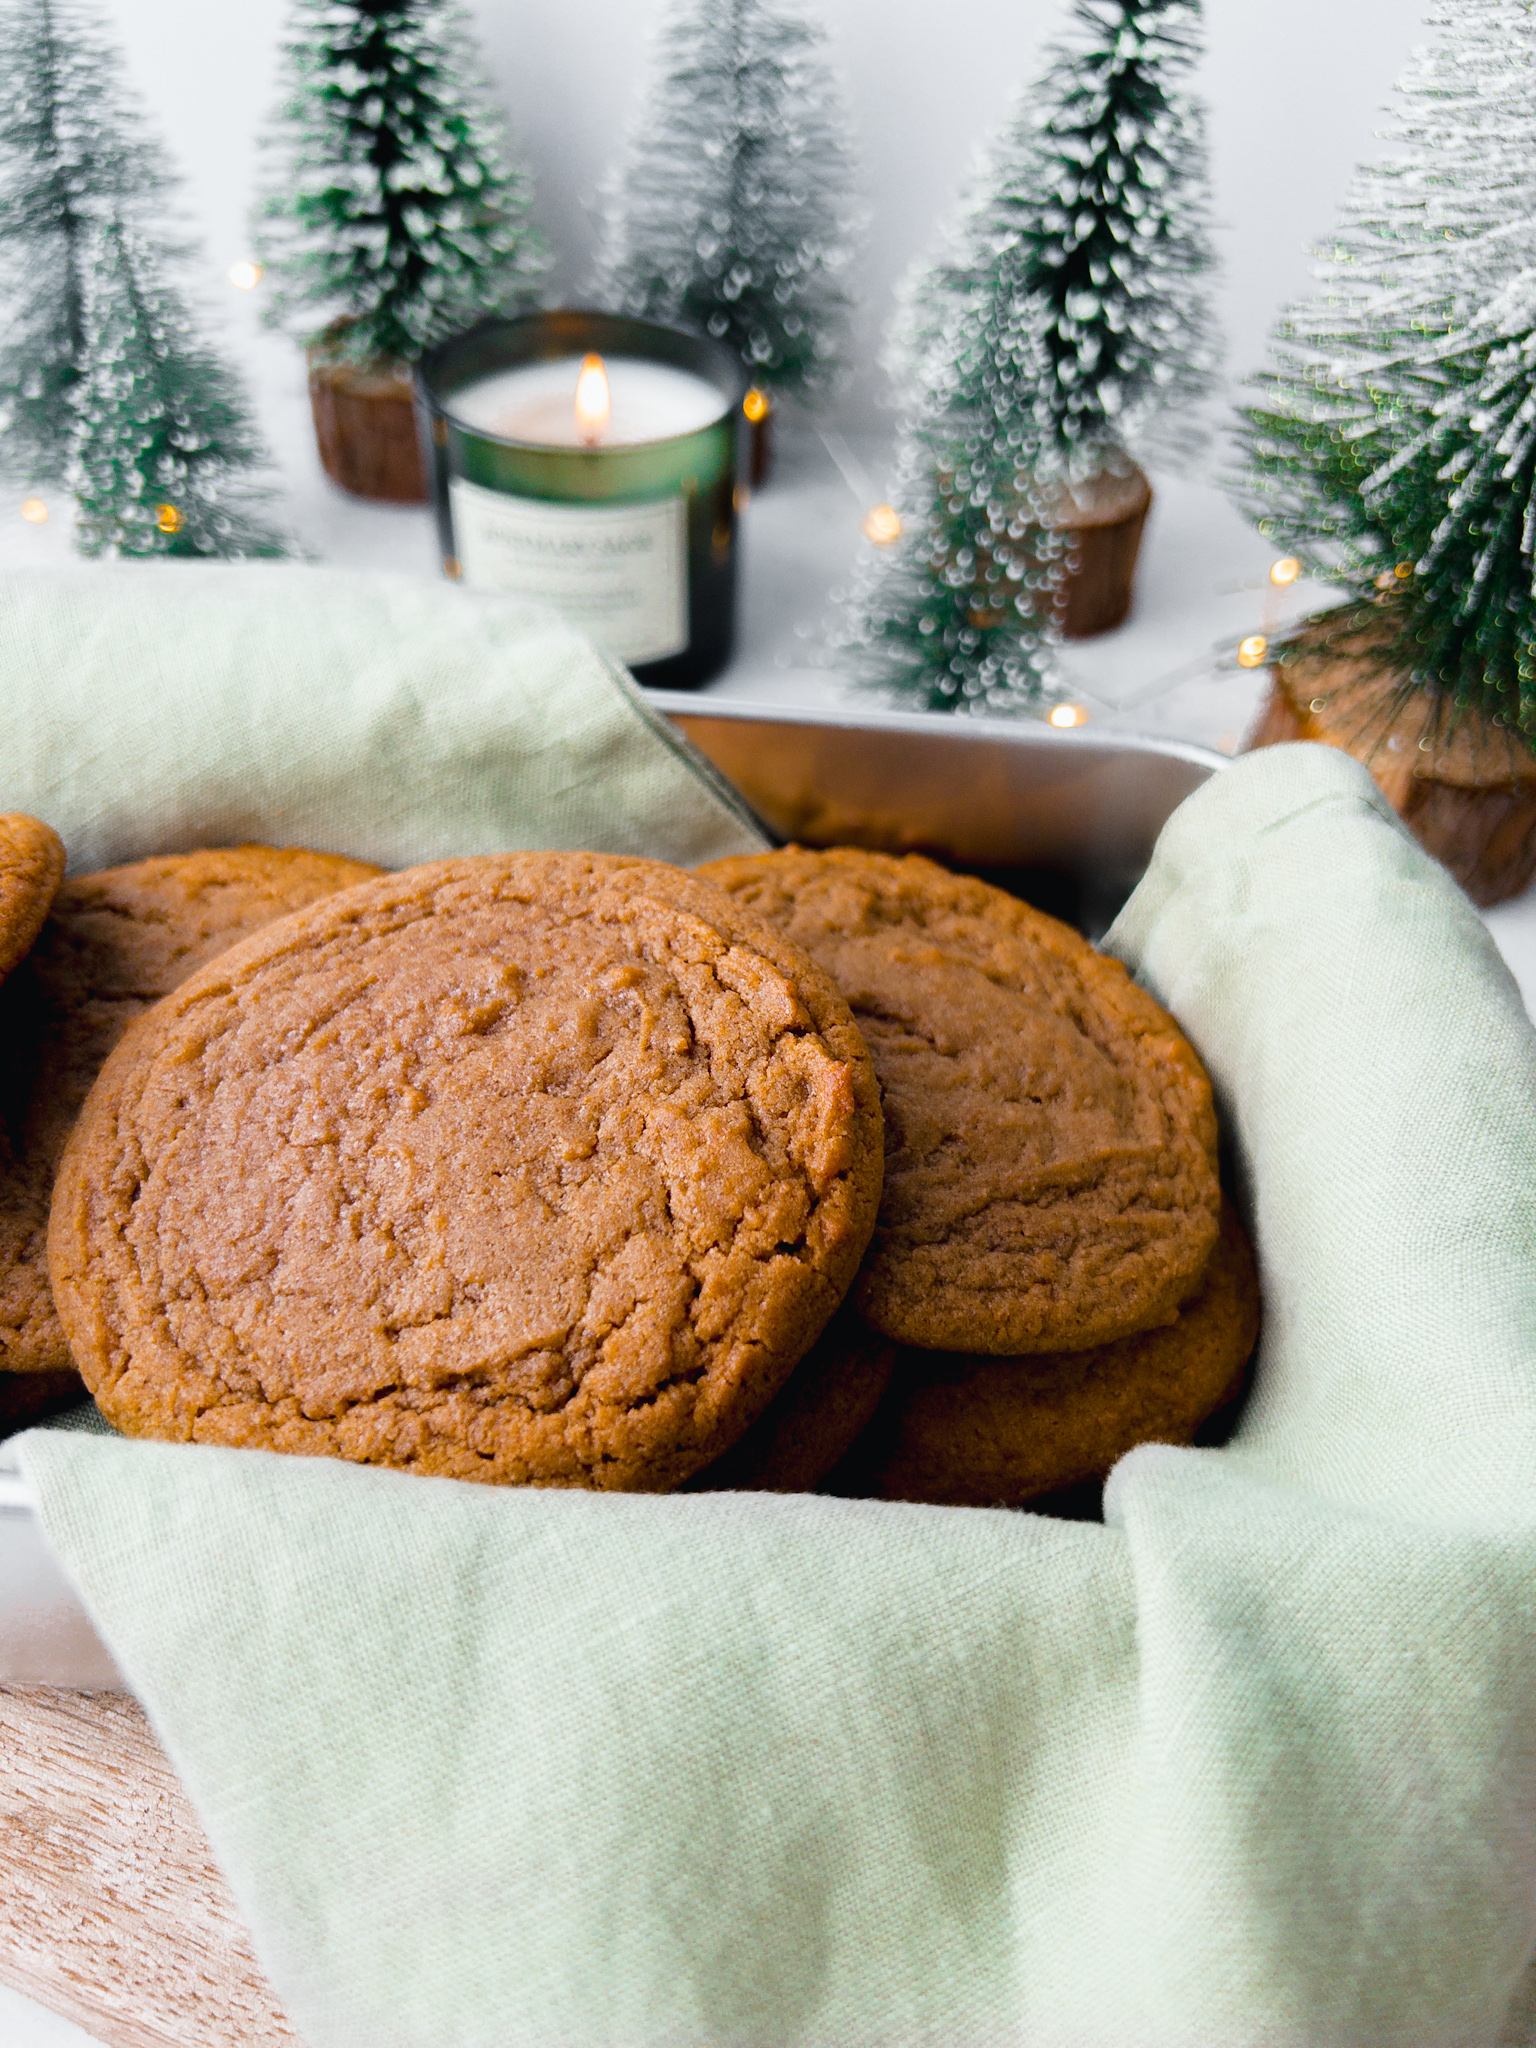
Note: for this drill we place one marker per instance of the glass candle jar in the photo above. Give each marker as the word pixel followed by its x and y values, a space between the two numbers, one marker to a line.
pixel 589 461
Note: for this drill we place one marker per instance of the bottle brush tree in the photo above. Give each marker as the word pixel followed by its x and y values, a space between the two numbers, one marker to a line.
pixel 392 214
pixel 1089 219
pixel 1062 334
pixel 954 613
pixel 164 446
pixel 733 212
pixel 70 146
pixel 1391 441
pixel 105 382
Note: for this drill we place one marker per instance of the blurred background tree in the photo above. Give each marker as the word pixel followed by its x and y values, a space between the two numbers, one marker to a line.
pixel 734 210
pixel 106 384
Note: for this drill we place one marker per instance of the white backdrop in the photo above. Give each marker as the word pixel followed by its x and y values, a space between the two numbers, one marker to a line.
pixel 1294 88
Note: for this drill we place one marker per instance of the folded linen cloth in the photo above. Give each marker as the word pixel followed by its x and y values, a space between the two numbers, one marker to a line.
pixel 150 708
pixel 1254 1763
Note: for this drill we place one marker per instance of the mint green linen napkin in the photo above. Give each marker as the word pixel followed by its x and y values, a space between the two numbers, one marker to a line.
pixel 149 708
pixel 1255 1763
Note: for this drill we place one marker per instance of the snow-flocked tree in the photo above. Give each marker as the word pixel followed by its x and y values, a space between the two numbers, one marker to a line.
pixel 1089 217
pixel 955 613
pixel 734 211
pixel 1061 333
pixel 393 214
pixel 164 446
pixel 1392 442
pixel 105 382
pixel 70 145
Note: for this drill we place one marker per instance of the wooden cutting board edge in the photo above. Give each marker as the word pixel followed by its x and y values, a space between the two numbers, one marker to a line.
pixel 112 1910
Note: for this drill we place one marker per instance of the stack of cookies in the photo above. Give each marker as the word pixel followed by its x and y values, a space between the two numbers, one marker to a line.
pixel 1052 1258
pixel 567 1169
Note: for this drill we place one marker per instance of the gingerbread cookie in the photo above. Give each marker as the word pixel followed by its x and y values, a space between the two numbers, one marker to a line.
pixel 998 1432
pixel 816 1417
pixel 1050 1172
pixel 113 944
pixel 531 1168
pixel 31 869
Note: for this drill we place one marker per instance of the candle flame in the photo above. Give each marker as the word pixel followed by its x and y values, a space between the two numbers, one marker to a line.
pixel 592 403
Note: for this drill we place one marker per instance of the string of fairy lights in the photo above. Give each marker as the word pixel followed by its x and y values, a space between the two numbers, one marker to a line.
pixel 1253 649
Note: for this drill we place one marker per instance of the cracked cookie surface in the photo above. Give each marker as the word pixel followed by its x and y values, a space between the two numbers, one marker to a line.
pixel 1050 1178
pixel 528 1168
pixel 1000 1432
pixel 31 869
pixel 113 944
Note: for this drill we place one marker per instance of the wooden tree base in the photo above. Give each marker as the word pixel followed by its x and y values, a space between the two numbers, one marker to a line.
pixel 1467 794
pixel 365 425
pixel 1103 520
pixel 112 1911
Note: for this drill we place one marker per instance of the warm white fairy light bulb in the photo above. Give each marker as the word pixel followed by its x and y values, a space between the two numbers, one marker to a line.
pixel 246 276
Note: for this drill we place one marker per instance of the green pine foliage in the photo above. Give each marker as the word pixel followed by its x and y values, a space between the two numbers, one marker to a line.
pixel 393 215
pixel 164 446
pixel 955 615
pixel 69 145
pixel 1391 444
pixel 105 383
pixel 1061 334
pixel 1108 233
pixel 1090 217
pixel 734 212
pixel 1459 502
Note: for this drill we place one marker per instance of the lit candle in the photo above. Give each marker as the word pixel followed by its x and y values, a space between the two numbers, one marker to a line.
pixel 589 401
pixel 590 461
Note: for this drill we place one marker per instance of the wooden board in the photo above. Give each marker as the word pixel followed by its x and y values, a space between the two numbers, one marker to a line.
pixel 112 1911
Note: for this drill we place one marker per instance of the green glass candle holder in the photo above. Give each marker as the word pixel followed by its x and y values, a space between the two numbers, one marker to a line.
pixel 633 541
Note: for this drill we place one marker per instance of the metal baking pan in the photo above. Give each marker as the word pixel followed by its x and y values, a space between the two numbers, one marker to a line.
pixel 1064 818
pixel 1067 819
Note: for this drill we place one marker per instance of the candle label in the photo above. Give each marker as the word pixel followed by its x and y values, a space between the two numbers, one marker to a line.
pixel 619 573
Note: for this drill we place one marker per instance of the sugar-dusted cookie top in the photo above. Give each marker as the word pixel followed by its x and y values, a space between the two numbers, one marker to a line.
pixel 114 943
pixel 1050 1175
pixel 530 1168
pixel 31 869
pixel 998 1432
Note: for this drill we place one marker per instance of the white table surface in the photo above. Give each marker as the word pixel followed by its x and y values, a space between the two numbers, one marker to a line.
pixel 1203 585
